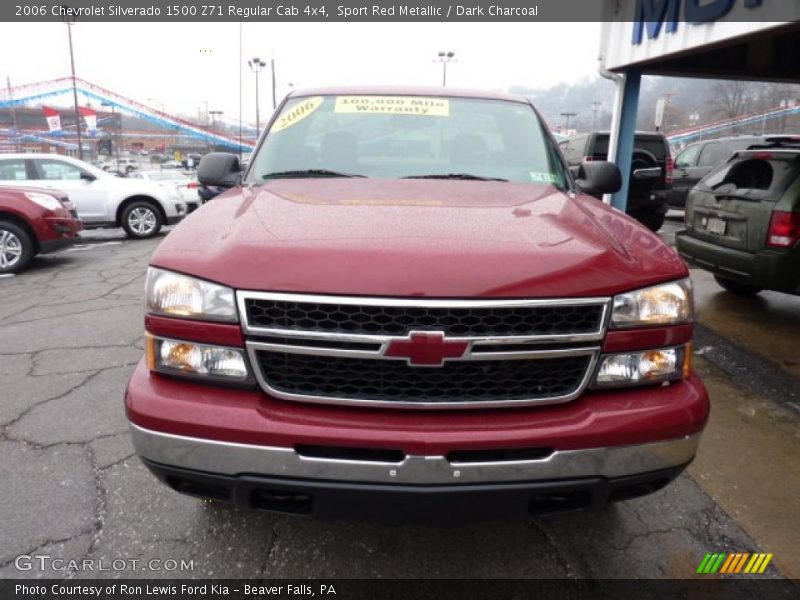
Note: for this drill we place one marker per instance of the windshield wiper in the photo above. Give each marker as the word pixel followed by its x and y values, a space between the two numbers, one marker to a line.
pixel 465 176
pixel 308 173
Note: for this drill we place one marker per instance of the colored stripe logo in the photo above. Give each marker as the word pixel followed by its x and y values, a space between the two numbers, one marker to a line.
pixel 732 564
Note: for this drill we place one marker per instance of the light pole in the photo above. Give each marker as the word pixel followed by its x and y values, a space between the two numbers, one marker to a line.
pixel 272 68
pixel 117 128
pixel 214 114
pixel 69 21
pixel 163 111
pixel 595 108
pixel 567 116
pixel 445 58
pixel 256 65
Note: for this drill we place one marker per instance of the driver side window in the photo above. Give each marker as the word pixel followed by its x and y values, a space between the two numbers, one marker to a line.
pixel 58 170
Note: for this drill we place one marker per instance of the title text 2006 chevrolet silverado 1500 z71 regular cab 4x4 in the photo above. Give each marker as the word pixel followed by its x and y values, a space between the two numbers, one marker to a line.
pixel 407 307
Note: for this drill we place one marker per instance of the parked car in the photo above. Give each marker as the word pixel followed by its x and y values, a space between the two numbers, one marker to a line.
pixel 647 193
pixel 445 324
pixel 33 221
pixel 743 220
pixel 191 161
pixel 123 166
pixel 171 164
pixel 100 198
pixel 186 186
pixel 697 160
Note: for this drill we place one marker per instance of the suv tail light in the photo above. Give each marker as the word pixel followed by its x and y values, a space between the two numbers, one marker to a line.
pixel 784 229
pixel 670 169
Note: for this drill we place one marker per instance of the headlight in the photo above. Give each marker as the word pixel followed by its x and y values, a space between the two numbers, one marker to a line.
pixel 665 304
pixel 189 358
pixel 176 295
pixel 44 200
pixel 648 366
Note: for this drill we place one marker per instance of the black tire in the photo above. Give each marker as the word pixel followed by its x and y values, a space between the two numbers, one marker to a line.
pixel 141 220
pixel 735 287
pixel 17 248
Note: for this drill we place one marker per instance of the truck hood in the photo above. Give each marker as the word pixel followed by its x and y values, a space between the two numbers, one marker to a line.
pixel 436 238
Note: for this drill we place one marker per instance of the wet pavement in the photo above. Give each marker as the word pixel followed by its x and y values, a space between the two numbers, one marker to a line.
pixel 71 332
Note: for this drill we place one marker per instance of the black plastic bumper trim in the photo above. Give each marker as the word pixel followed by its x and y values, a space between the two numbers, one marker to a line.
pixel 386 502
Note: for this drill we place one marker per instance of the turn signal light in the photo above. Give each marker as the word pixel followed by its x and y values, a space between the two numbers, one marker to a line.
pixel 642 368
pixel 178 357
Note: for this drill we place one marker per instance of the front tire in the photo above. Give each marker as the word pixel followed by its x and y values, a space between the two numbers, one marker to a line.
pixel 142 220
pixel 17 248
pixel 734 287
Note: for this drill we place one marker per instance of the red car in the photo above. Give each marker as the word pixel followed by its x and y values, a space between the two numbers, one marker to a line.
pixel 407 307
pixel 33 221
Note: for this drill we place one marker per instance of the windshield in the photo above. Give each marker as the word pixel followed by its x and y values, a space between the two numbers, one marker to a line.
pixel 408 136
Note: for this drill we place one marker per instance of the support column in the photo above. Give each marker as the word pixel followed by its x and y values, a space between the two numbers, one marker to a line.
pixel 623 130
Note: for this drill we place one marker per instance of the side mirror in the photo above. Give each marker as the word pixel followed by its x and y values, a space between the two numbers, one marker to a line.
pixel 87 177
pixel 598 177
pixel 219 169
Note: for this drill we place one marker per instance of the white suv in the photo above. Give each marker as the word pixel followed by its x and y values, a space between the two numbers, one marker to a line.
pixel 102 200
pixel 123 165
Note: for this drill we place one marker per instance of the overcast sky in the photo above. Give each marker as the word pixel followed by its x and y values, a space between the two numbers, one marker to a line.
pixel 183 65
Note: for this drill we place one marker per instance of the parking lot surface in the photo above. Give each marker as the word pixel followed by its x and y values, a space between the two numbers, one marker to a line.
pixel 71 331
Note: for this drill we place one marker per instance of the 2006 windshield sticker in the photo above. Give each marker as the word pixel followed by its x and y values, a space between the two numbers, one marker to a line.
pixel 297 113
pixel 394 105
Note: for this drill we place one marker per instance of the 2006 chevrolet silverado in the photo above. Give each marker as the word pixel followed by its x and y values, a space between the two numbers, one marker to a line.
pixel 407 307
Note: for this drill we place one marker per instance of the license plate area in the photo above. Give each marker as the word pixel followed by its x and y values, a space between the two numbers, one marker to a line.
pixel 716 226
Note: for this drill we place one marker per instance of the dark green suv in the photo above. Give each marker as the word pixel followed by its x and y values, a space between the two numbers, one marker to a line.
pixel 743 220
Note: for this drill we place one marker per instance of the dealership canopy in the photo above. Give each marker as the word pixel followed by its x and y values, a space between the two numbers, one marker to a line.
pixel 723 39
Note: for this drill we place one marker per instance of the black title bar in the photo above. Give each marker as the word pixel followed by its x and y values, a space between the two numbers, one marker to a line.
pixel 383 11
pixel 394 589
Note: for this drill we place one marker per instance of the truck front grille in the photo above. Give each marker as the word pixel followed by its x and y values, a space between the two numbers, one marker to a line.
pixel 463 321
pixel 397 382
pixel 422 353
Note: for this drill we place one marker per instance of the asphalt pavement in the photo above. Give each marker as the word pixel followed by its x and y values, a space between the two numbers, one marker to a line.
pixel 71 331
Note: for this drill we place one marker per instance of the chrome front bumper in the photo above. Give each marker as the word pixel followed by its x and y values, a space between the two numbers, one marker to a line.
pixel 232 459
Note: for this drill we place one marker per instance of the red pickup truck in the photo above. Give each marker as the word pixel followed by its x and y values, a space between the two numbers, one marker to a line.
pixel 407 307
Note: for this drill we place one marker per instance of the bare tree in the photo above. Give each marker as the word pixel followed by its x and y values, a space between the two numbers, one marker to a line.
pixel 731 99
pixel 770 95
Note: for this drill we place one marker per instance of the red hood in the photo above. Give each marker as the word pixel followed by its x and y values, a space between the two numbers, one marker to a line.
pixel 438 238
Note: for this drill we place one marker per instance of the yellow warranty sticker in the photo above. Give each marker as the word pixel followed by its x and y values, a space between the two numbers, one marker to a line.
pixel 393 105
pixel 297 113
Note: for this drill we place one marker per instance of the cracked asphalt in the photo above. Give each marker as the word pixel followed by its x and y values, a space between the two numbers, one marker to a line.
pixel 70 334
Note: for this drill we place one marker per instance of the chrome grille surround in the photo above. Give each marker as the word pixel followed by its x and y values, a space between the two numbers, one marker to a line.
pixel 479 348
